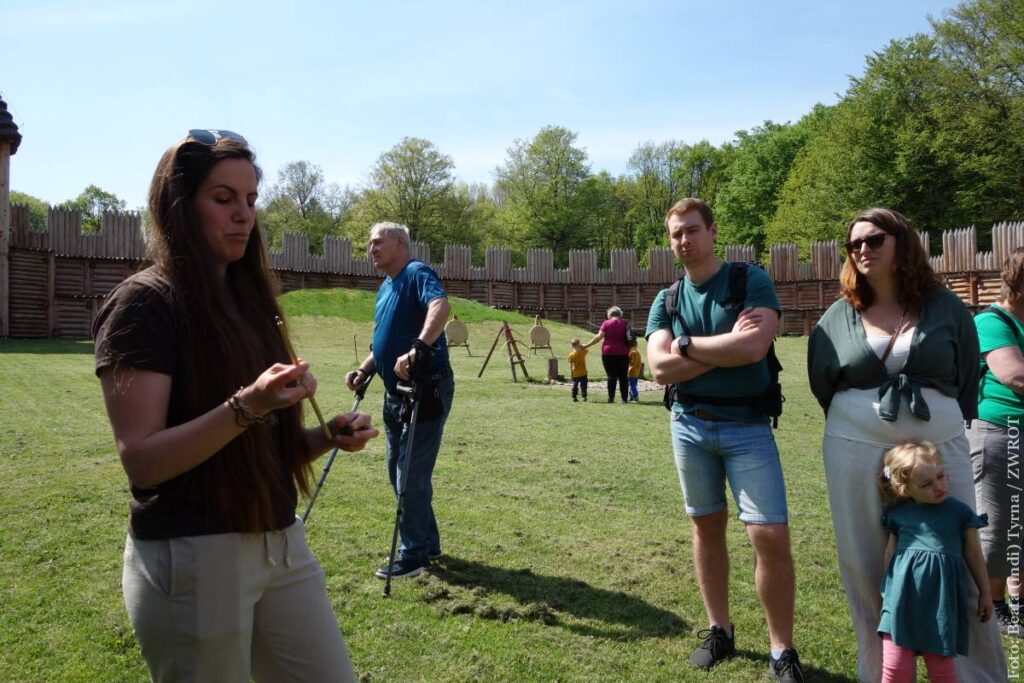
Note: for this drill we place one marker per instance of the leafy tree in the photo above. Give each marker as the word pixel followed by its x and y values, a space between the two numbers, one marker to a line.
pixel 301 202
pixel 657 175
pixel 37 209
pixel 699 169
pixel 933 128
pixel 762 159
pixel 412 183
pixel 93 202
pixel 540 188
pixel 603 206
pixel 979 109
pixel 651 191
pixel 874 150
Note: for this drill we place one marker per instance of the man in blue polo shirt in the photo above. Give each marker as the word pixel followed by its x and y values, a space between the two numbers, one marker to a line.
pixel 410 314
pixel 715 352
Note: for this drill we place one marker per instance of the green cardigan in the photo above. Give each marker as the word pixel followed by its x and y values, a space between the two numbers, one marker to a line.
pixel 943 355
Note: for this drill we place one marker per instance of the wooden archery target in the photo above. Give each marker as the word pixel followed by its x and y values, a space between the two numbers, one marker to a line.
pixel 456 332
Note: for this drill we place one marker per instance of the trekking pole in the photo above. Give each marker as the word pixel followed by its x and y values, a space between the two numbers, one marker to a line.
pixel 360 393
pixel 410 391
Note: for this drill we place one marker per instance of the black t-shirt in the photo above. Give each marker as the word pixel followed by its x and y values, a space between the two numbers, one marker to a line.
pixel 136 328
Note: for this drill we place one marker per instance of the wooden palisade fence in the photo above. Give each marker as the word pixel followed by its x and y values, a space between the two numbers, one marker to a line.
pixel 59 277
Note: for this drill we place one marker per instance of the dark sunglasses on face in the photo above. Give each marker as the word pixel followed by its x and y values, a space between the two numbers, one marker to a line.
pixel 873 241
pixel 209 137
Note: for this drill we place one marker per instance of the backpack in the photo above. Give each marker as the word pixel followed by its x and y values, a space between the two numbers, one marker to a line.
pixel 768 403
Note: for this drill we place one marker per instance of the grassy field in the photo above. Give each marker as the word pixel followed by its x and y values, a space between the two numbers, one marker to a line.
pixel 567 553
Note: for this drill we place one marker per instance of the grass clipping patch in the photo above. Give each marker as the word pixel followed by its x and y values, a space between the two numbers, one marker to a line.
pixel 450 598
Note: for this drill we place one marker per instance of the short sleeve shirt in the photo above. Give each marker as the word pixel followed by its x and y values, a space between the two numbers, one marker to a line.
pixel 706 313
pixel 400 311
pixel 614 343
pixel 136 328
pixel 997 402
pixel 578 363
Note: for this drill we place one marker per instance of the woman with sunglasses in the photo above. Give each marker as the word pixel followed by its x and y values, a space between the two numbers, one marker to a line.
pixel 204 402
pixel 894 359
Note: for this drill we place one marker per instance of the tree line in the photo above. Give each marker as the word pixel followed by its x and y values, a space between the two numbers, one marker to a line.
pixel 933 127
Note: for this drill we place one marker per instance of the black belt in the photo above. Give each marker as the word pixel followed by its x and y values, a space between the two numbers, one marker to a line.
pixel 705 415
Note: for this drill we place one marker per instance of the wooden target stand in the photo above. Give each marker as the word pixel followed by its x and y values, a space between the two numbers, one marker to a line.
pixel 540 338
pixel 457 334
pixel 514 357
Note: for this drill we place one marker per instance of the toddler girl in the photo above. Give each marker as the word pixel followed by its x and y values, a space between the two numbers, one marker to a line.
pixel 924 591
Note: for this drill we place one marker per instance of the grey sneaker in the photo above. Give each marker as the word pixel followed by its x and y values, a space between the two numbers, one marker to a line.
pixel 787 667
pixel 402 569
pixel 717 646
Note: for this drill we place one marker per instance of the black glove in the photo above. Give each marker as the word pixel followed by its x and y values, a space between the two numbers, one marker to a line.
pixel 420 370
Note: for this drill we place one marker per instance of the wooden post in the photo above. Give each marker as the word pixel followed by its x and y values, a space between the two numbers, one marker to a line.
pixel 5 238
pixel 51 295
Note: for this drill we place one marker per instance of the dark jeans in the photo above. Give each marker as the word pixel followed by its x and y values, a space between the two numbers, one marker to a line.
pixel 579 383
pixel 617 369
pixel 417 526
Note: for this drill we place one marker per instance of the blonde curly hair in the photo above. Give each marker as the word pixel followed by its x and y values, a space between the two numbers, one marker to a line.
pixel 900 463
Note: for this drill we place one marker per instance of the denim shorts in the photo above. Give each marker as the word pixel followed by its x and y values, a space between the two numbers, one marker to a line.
pixel 710 452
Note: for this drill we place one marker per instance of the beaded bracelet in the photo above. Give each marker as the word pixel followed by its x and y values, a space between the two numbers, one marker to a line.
pixel 244 415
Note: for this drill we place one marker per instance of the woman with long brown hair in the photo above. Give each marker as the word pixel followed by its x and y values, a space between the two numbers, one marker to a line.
pixel 204 402
pixel 894 359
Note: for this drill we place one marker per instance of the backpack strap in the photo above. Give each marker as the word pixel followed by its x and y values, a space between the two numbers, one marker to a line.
pixel 672 301
pixel 736 299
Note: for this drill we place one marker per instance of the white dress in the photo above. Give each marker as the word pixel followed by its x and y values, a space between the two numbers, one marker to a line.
pixel 854 444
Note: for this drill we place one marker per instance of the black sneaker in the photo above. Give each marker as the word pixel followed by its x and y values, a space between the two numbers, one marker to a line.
pixel 402 569
pixel 1008 618
pixel 787 667
pixel 717 646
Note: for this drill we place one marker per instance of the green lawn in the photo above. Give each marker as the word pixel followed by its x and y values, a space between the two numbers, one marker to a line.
pixel 567 554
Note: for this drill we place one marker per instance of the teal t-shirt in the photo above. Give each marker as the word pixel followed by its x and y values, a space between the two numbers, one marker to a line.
pixel 401 309
pixel 701 307
pixel 996 402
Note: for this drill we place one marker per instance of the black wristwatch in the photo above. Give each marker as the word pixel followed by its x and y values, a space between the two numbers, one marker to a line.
pixel 683 342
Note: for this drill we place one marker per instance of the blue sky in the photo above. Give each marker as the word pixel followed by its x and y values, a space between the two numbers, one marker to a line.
pixel 100 89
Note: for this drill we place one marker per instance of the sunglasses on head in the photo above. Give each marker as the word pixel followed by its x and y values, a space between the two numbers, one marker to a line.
pixel 209 136
pixel 873 241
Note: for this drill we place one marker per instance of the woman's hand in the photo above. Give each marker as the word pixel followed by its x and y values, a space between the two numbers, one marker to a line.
pixel 351 432
pixel 278 387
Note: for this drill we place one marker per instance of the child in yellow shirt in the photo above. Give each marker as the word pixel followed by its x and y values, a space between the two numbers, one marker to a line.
pixel 578 369
pixel 634 372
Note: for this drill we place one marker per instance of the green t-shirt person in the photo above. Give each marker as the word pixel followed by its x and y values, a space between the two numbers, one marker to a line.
pixel 997 402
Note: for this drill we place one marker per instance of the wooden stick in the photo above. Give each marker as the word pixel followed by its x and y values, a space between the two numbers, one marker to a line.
pixel 295 361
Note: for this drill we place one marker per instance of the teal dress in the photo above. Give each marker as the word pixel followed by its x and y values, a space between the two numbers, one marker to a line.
pixel 924 591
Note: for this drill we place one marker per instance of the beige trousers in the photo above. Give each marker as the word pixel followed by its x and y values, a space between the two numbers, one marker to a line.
pixel 229 607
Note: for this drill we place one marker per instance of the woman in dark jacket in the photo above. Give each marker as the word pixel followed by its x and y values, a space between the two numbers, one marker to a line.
pixel 894 359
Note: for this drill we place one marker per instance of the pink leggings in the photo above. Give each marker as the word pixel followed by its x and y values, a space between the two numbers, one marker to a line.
pixel 898 664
